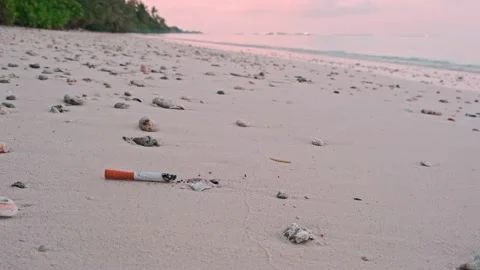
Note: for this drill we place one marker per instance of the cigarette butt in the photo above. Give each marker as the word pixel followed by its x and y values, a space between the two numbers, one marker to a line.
pixel 119 175
pixel 139 176
pixel 281 160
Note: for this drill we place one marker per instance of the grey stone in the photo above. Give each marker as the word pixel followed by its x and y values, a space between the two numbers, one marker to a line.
pixel 282 195
pixel 58 109
pixel 76 101
pixel 121 105
pixel 471 265
pixel 8 105
pixel 31 53
pixel 166 104
pixel 137 83
pixel 146 141
pixel 43 248
pixel 19 185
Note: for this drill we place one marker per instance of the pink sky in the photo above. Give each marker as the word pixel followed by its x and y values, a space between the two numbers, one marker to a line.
pixel 323 16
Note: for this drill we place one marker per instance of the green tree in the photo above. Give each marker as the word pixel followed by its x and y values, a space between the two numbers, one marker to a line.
pixel 7 12
pixel 94 15
pixel 49 14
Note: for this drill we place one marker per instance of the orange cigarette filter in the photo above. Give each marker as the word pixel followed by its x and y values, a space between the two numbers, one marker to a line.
pixel 119 175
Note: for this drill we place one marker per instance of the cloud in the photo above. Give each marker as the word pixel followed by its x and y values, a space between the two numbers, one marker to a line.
pixel 337 8
pixel 324 16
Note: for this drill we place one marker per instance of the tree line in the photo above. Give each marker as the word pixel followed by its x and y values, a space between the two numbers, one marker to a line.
pixel 118 16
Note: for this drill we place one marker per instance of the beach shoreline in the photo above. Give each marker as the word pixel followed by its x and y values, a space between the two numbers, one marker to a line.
pixel 360 161
pixel 424 74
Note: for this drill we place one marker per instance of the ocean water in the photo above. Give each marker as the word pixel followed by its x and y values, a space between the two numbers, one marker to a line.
pixel 452 53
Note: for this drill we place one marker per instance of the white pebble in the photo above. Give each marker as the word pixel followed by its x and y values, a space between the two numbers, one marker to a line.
pixel 242 123
pixel 7 207
pixel 298 235
pixel 426 164
pixel 318 142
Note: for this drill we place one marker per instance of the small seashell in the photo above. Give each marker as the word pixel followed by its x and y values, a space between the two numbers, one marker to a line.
pixel 282 195
pixel 318 142
pixel 242 123
pixel 7 207
pixel 426 164
pixel 199 184
pixel 298 235
pixel 146 124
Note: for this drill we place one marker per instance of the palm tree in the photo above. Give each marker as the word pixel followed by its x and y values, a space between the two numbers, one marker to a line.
pixel 154 12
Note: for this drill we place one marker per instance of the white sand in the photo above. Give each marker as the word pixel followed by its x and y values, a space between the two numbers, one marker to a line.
pixel 410 216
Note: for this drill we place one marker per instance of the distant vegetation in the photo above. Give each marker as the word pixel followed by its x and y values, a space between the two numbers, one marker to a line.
pixel 118 16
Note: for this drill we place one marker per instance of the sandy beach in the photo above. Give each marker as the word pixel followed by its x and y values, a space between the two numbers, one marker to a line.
pixel 364 194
